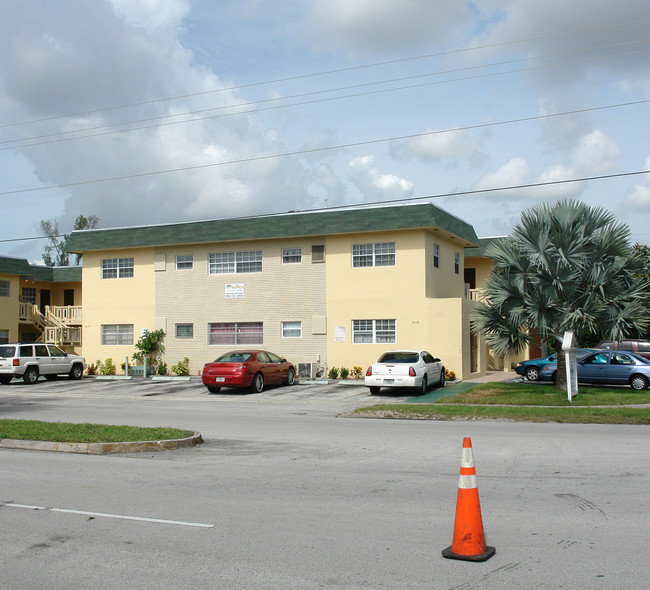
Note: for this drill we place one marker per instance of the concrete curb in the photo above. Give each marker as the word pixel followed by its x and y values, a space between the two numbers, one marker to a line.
pixel 101 448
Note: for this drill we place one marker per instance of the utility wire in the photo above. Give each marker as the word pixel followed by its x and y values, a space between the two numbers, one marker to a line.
pixel 323 149
pixel 60 136
pixel 421 198
pixel 333 71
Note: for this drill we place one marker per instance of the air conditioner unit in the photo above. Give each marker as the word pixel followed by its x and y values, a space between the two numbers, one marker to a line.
pixel 307 370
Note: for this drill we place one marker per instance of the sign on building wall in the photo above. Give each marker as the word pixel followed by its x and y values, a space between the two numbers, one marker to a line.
pixel 339 334
pixel 234 290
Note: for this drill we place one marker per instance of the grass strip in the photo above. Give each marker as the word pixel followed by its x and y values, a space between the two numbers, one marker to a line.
pixel 84 433
pixel 546 395
pixel 574 415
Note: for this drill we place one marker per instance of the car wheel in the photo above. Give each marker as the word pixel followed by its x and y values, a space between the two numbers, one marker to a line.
pixel 258 383
pixel 374 390
pixel 638 382
pixel 5 379
pixel 425 386
pixel 213 389
pixel 291 377
pixel 532 374
pixel 77 372
pixel 443 376
pixel 31 375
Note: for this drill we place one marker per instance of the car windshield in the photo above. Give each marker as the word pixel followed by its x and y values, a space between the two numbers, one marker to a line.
pixel 234 357
pixel 7 351
pixel 399 357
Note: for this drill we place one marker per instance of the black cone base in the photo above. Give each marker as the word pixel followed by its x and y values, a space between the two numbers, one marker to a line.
pixel 489 552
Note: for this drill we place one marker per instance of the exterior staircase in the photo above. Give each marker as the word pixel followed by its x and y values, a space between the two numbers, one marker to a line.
pixel 60 325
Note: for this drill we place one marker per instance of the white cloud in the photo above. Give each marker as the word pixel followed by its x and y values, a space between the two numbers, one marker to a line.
pixel 448 147
pixel 375 186
pixel 639 196
pixel 512 173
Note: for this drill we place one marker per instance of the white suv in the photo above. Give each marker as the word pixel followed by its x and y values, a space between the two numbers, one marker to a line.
pixel 31 360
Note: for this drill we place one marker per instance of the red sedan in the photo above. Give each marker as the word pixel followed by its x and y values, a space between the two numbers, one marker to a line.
pixel 247 368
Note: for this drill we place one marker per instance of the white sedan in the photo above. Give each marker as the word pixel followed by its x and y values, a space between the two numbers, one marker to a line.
pixel 405 368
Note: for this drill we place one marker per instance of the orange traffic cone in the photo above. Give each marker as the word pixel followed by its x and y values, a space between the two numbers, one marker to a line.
pixel 469 541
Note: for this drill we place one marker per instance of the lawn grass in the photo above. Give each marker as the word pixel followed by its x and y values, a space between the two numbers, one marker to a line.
pixel 84 433
pixel 546 395
pixel 525 403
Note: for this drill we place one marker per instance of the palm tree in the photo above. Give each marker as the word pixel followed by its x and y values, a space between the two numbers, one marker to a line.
pixel 566 266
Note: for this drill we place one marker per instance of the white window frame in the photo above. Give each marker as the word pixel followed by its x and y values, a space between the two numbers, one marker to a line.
pixel 246 261
pixel 189 334
pixel 4 288
pixel 374 331
pixel 184 261
pixel 122 334
pixel 292 256
pixel 28 295
pixel 370 255
pixel 235 333
pixel 291 329
pixel 118 268
pixel 436 256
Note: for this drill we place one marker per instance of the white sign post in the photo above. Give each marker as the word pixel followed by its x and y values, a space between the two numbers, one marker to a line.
pixel 569 347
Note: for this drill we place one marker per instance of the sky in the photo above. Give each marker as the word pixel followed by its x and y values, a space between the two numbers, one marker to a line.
pixel 159 111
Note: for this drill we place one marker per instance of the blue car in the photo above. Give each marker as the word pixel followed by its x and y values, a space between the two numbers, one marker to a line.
pixel 608 367
pixel 531 369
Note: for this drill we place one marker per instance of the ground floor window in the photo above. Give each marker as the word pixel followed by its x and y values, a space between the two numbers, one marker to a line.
pixel 4 336
pixel 184 331
pixel 374 331
pixel 117 334
pixel 236 333
pixel 291 329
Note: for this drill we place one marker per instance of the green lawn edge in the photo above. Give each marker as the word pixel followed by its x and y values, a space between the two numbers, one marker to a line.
pixel 85 433
pixel 519 402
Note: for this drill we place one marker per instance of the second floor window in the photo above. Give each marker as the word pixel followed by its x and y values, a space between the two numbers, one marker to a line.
pixel 117 268
pixel 291 255
pixel 184 262
pixel 4 288
pixel 436 256
pixel 457 263
pixel 235 262
pixel 382 254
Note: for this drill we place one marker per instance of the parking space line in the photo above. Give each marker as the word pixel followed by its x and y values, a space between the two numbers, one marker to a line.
pixel 106 515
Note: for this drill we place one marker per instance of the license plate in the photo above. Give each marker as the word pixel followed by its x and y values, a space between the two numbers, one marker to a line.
pixel 389 381
pixel 219 379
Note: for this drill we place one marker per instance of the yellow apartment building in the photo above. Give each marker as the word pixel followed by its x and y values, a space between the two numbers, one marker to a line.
pixel 334 287
pixel 39 303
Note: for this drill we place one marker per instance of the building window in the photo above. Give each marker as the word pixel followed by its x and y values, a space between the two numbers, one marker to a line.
pixel 4 336
pixel 117 268
pixel 28 295
pixel 236 333
pixel 185 262
pixel 318 253
pixel 184 331
pixel 374 331
pixel 291 329
pixel 117 334
pixel 4 288
pixel 235 262
pixel 291 255
pixel 436 256
pixel 457 263
pixel 364 255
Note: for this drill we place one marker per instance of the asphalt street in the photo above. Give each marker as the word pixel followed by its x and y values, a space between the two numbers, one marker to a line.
pixel 287 493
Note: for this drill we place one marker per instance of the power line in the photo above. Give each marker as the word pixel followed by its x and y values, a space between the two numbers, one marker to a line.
pixel 323 149
pixel 333 71
pixel 60 136
pixel 421 198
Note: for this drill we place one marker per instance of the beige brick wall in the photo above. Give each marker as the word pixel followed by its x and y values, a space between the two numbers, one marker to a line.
pixel 281 292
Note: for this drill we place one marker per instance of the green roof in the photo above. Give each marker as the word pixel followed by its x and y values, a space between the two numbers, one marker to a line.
pixel 50 274
pixel 483 245
pixel 293 224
